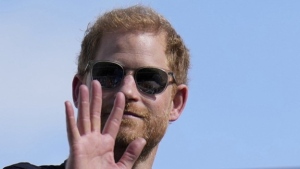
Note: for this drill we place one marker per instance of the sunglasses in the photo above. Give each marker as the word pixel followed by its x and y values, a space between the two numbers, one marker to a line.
pixel 149 80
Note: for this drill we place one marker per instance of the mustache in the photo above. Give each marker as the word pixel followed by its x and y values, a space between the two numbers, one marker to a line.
pixel 130 108
pixel 139 112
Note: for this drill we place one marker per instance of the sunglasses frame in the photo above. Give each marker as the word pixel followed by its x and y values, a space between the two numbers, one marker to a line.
pixel 91 63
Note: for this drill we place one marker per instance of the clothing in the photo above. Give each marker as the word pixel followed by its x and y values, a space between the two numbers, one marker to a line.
pixel 24 165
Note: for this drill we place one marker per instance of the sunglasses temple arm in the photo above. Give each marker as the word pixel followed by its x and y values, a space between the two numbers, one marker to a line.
pixel 173 77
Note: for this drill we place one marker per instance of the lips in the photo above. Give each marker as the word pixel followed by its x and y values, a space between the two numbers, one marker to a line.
pixel 129 113
pixel 126 113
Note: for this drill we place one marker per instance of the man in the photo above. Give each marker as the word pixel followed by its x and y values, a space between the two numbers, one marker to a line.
pixel 141 64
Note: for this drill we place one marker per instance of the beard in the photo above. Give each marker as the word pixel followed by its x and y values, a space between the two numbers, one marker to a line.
pixel 151 126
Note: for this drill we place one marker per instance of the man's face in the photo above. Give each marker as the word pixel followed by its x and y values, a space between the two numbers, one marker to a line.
pixel 145 115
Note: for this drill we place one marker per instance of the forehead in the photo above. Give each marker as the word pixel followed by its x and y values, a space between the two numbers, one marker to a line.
pixel 134 49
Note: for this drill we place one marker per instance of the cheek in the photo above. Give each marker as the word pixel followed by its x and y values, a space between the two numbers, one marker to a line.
pixel 107 97
pixel 165 99
pixel 159 106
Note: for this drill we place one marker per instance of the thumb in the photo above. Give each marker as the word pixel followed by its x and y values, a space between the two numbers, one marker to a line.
pixel 132 153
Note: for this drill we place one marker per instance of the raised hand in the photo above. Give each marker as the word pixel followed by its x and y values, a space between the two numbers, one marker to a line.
pixel 89 148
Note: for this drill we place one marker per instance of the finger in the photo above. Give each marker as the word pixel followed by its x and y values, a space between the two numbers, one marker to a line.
pixel 96 104
pixel 132 153
pixel 72 129
pixel 114 120
pixel 83 119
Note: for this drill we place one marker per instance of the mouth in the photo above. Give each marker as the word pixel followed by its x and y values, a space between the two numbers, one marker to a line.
pixel 131 114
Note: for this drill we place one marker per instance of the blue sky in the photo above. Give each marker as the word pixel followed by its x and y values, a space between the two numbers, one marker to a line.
pixel 244 104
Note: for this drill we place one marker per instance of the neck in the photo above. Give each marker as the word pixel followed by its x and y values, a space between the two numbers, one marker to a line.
pixel 147 162
pixel 141 163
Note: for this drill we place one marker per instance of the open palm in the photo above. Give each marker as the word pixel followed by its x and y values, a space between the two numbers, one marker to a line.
pixel 89 148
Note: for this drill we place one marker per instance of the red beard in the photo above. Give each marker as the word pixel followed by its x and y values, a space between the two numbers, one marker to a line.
pixel 138 122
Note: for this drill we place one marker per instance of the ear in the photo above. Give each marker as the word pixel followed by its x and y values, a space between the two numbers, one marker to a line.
pixel 77 81
pixel 179 102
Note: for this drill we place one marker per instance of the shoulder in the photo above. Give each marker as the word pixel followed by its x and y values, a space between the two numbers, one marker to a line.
pixel 21 166
pixel 25 165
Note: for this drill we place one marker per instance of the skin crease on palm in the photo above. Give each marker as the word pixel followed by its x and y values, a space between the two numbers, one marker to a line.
pixel 152 113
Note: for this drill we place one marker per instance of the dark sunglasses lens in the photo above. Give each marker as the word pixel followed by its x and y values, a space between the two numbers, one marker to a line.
pixel 151 80
pixel 108 74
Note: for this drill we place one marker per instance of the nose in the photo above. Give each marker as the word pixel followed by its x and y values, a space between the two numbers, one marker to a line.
pixel 128 87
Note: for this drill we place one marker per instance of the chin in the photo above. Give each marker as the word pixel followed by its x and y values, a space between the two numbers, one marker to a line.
pixel 152 130
pixel 130 129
